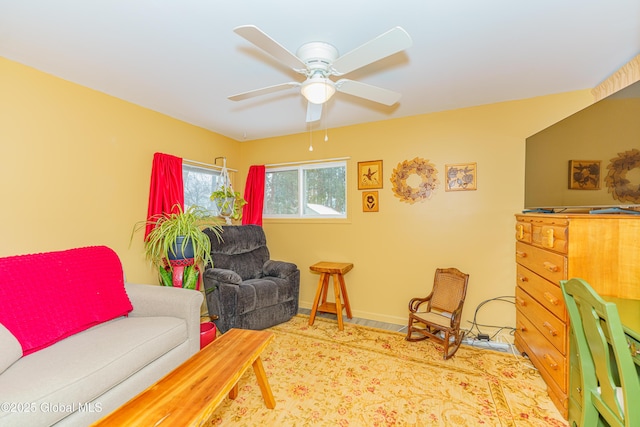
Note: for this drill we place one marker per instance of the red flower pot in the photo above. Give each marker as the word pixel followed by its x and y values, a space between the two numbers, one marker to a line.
pixel 207 333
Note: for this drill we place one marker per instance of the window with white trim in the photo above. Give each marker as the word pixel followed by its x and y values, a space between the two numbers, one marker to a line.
pixel 316 190
pixel 198 184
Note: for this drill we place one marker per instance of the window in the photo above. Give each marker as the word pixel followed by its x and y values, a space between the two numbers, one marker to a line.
pixel 306 191
pixel 199 183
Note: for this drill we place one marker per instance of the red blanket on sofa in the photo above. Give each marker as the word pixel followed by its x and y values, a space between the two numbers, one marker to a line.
pixel 49 296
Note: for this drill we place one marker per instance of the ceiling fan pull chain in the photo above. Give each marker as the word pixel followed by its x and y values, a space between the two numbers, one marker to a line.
pixel 326 131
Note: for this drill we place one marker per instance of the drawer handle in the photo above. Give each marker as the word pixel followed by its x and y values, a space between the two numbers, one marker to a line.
pixel 523 278
pixel 551 267
pixel 549 236
pixel 552 331
pixel 521 302
pixel 521 254
pixel 520 228
pixel 553 300
pixel 522 328
pixel 552 363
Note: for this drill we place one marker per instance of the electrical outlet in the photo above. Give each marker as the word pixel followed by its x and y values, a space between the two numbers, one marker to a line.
pixel 483 337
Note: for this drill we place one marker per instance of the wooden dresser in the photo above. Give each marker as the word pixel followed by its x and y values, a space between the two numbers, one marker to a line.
pixel 601 249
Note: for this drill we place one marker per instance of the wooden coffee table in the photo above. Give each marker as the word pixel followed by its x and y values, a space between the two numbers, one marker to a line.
pixel 189 394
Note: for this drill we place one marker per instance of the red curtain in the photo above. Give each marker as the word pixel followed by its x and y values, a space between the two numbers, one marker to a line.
pixel 166 186
pixel 254 195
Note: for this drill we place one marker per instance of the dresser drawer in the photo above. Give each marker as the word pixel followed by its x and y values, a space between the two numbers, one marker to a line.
pixel 523 231
pixel 546 232
pixel 546 293
pixel 552 328
pixel 552 237
pixel 548 358
pixel 550 265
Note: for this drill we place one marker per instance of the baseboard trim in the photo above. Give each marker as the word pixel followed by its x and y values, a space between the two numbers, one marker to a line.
pixel 394 320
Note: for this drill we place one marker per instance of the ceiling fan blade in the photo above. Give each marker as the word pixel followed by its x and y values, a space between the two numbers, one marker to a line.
pixel 256 36
pixel 372 93
pixel 386 44
pixel 314 112
pixel 263 91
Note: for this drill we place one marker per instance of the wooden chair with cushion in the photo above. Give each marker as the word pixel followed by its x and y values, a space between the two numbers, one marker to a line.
pixel 440 312
pixel 609 384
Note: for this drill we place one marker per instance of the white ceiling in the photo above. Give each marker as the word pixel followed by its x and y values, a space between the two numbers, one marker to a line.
pixel 182 58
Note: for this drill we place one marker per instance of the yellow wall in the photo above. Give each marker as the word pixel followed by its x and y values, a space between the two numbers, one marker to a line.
pixel 76 165
pixel 396 250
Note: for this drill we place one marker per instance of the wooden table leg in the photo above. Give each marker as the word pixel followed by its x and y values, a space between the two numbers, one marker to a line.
pixel 325 287
pixel 336 291
pixel 316 300
pixel 233 393
pixel 263 382
pixel 345 297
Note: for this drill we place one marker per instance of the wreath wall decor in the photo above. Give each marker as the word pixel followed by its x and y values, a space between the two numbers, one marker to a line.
pixel 619 186
pixel 427 173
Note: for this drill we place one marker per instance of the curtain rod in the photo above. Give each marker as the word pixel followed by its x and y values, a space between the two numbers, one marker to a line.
pixel 307 161
pixel 208 165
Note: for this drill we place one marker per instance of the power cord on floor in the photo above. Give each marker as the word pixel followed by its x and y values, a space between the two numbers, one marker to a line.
pixel 474 324
pixel 498 335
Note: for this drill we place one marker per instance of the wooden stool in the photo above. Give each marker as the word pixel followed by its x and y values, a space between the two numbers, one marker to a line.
pixel 337 270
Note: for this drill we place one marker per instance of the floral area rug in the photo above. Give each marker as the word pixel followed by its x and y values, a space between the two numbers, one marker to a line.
pixel 362 376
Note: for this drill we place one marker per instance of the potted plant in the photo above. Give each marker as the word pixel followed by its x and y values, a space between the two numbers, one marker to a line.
pixel 228 202
pixel 177 245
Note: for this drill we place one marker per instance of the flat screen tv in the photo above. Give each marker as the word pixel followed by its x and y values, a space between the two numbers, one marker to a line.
pixel 588 161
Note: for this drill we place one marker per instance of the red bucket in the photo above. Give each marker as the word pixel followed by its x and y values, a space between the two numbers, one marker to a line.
pixel 207 333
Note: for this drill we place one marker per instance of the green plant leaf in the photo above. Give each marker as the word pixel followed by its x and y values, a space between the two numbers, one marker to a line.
pixel 225 196
pixel 167 227
pixel 166 278
pixel 190 277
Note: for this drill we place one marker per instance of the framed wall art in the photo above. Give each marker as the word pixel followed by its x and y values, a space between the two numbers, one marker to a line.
pixel 370 175
pixel 370 201
pixel 461 177
pixel 584 174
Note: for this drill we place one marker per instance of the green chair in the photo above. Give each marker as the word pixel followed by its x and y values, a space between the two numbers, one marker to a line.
pixel 610 387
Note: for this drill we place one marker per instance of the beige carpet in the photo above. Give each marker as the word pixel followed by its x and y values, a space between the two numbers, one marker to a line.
pixel 370 377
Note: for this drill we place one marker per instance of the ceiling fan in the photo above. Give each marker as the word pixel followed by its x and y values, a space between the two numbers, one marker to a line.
pixel 319 60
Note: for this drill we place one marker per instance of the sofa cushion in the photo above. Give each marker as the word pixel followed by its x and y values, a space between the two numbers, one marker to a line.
pixel 10 349
pixel 84 366
pixel 49 296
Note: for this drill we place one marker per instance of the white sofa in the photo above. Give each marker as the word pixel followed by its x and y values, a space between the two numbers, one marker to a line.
pixel 83 375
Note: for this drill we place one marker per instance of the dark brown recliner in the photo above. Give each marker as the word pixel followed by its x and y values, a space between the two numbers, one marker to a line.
pixel 245 288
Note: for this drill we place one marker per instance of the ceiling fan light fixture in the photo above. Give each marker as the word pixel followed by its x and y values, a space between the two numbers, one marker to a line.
pixel 318 90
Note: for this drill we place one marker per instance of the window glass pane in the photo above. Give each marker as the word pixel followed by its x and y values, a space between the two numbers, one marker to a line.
pixel 306 191
pixel 324 191
pixel 199 183
pixel 281 193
